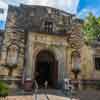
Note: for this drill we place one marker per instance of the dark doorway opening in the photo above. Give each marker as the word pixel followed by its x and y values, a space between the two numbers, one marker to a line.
pixel 46 69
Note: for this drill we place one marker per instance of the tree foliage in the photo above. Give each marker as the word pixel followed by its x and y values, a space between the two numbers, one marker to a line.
pixel 4 90
pixel 91 28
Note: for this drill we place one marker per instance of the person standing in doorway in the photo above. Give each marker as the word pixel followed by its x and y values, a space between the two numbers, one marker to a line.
pixel 36 90
pixel 46 84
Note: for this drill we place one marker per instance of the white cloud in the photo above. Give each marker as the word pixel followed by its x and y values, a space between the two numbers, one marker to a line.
pixel 69 5
pixel 84 12
pixel 13 2
pixel 3 6
pixel 66 5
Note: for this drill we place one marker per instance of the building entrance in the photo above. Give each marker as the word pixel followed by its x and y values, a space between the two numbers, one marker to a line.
pixel 46 68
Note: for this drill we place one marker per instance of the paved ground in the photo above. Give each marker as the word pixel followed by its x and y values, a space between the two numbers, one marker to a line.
pixel 40 97
pixel 52 95
pixel 89 95
pixel 58 95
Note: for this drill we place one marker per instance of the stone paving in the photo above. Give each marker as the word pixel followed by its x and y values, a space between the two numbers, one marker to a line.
pixel 40 97
pixel 89 95
pixel 52 94
pixel 57 95
pixel 82 95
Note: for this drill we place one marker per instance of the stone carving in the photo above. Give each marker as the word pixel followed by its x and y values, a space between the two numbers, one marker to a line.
pixel 12 55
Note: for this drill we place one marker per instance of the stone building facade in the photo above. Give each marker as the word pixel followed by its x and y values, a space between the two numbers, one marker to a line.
pixel 90 61
pixel 41 43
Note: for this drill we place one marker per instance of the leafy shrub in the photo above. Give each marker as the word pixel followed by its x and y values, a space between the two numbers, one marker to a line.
pixel 4 90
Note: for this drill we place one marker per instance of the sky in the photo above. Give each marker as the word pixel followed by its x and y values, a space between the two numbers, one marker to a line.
pixel 86 6
pixel 78 7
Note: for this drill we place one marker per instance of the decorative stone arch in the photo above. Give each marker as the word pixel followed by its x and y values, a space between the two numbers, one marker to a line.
pixel 39 49
pixel 54 54
pixel 59 56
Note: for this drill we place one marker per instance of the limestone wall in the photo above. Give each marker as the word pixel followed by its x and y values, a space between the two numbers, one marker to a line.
pixel 87 65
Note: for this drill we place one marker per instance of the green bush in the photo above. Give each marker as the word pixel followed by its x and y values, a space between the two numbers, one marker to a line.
pixel 4 90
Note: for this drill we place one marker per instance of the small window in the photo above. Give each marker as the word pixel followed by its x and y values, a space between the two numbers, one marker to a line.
pixel 97 63
pixel 48 26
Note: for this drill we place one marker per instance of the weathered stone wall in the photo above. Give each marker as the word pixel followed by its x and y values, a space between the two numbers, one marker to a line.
pixel 88 62
pixel 87 66
pixel 13 35
pixel 25 30
pixel 96 73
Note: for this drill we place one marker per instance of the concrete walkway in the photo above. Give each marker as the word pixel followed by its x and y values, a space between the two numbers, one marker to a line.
pixel 39 97
pixel 50 94
pixel 89 95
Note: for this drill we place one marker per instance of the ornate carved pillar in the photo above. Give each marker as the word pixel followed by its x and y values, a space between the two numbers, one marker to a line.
pixel 28 63
pixel 29 57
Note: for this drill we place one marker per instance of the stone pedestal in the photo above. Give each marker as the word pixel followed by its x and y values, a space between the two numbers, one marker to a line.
pixel 28 85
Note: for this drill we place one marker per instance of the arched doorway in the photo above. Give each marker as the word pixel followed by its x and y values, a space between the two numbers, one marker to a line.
pixel 46 68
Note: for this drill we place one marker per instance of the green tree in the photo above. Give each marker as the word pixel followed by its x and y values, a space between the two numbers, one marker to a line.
pixel 91 28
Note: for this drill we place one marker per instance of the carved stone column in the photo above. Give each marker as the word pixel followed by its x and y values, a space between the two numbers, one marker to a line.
pixel 28 63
